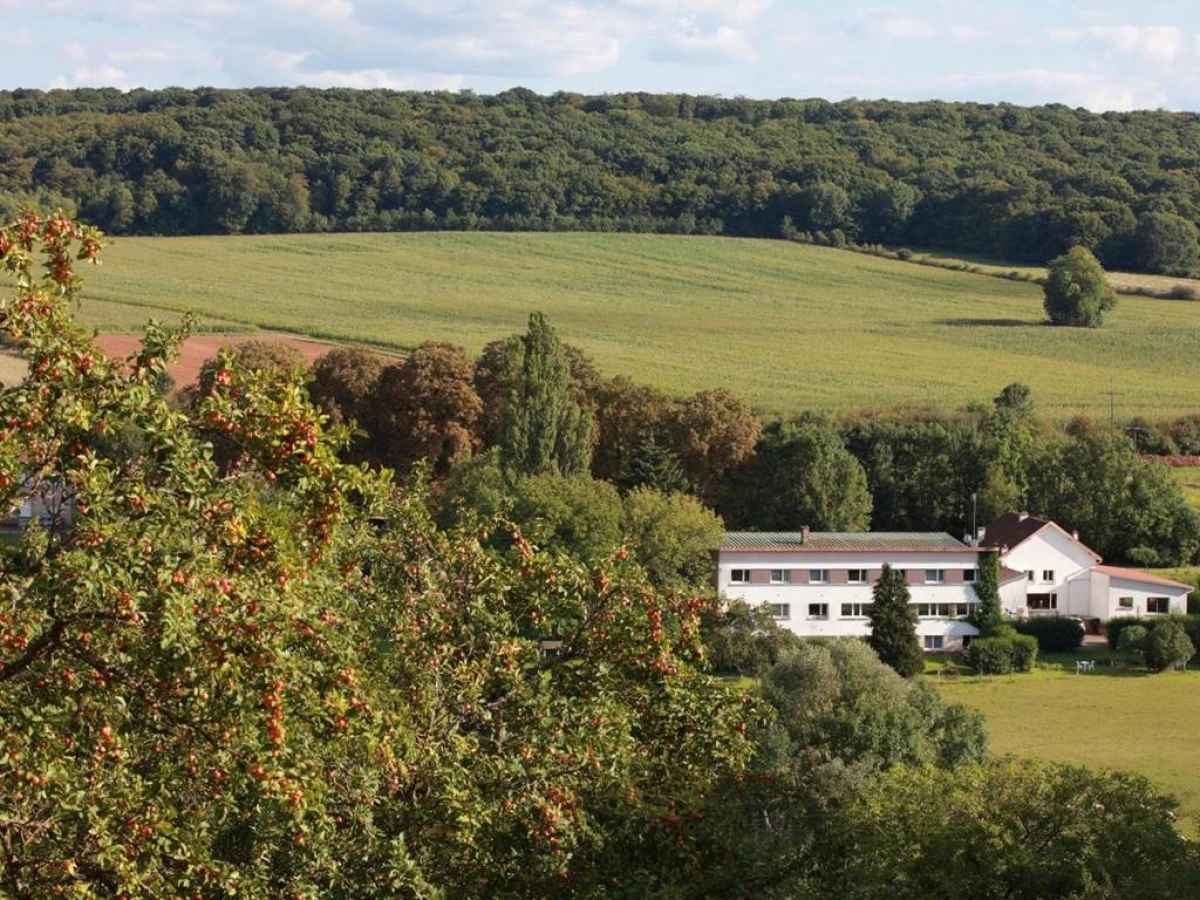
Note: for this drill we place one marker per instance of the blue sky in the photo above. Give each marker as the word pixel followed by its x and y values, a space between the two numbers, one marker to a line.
pixel 1100 55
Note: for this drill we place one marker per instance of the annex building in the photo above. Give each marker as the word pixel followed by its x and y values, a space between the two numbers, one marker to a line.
pixel 820 583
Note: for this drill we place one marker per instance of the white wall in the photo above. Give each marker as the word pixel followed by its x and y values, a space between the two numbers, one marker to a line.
pixel 1053 550
pixel 1140 591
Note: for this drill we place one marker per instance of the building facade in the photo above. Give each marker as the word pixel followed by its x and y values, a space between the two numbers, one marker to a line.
pixel 820 583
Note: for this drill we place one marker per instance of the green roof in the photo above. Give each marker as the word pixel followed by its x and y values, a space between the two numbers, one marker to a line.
pixel 840 540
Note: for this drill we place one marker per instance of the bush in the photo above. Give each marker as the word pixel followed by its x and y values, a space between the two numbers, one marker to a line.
pixel 1183 292
pixel 1116 625
pixel 1167 645
pixel 1003 653
pixel 1144 556
pixel 904 253
pixel 1054 634
pixel 1131 638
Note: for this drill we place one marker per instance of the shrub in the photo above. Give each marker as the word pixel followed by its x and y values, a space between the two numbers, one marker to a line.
pixel 904 253
pixel 1183 292
pixel 1054 634
pixel 990 656
pixel 1131 638
pixel 1004 652
pixel 1167 645
pixel 1116 625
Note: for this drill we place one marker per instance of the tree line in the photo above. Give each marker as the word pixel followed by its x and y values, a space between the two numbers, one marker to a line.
pixel 246 668
pixel 1022 183
pixel 532 428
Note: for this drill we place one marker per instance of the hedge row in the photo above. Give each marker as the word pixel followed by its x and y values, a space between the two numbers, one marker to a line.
pixel 1054 634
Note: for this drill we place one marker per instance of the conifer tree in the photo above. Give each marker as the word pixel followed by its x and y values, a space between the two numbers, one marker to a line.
pixel 542 430
pixel 894 625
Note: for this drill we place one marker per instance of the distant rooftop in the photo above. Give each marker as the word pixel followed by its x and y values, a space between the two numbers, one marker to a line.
pixel 798 541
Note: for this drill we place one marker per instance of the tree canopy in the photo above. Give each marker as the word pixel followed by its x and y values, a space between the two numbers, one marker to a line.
pixel 1077 291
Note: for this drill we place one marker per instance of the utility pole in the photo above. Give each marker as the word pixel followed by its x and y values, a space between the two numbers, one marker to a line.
pixel 974 529
pixel 1112 403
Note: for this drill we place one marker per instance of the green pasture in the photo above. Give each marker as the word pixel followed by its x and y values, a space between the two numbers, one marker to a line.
pixel 789 327
pixel 1189 479
pixel 1114 718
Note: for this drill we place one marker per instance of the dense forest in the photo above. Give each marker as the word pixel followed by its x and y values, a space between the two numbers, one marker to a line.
pixel 1002 180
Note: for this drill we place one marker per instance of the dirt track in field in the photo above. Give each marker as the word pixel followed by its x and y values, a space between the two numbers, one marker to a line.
pixel 199 348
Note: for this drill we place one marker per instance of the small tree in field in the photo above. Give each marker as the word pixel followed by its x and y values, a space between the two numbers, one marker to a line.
pixel 894 625
pixel 1077 292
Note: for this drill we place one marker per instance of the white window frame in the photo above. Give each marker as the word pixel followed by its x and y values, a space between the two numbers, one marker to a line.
pixel 1155 612
pixel 818 615
pixel 970 576
pixel 864 576
pixel 939 576
pixel 785 576
pixel 1032 575
pixel 734 573
pixel 934 642
pixel 861 607
pixel 818 576
pixel 781 611
pixel 1047 576
pixel 1124 603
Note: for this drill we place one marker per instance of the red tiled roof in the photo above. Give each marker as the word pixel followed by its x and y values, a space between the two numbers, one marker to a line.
pixel 1138 575
pixel 1007 575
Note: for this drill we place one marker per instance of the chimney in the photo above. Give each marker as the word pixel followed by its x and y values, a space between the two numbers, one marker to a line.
pixel 1075 533
pixel 804 533
pixel 1022 516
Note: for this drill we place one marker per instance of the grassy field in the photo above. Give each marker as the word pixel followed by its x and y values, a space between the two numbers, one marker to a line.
pixel 1189 480
pixel 1112 718
pixel 789 327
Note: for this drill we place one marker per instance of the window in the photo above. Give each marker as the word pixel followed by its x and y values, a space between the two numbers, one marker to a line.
pixel 856 610
pixel 944 610
pixel 1030 574
pixel 1047 575
pixel 934 642
pixel 970 576
pixel 1125 603
pixel 935 576
pixel 781 610
pixel 739 576
pixel 857 576
pixel 1158 604
pixel 818 610
pixel 818 576
pixel 780 576
pixel 1043 601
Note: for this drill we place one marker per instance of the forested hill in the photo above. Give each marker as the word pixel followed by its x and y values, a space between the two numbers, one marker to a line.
pixel 1002 180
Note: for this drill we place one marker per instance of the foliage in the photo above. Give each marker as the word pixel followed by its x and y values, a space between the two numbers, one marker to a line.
pixel 744 640
pixel 232 683
pixel 715 432
pixel 1026 183
pixel 987 616
pixel 1166 646
pixel 579 516
pixel 1164 242
pixel 802 474
pixel 1054 634
pixel 542 429
pixel 894 624
pixel 1077 291
pixel 426 409
pixel 1002 652
pixel 629 418
pixel 1117 624
pixel 673 536
pixel 1131 639
pixel 343 385
pixel 1008 828
pixel 267 357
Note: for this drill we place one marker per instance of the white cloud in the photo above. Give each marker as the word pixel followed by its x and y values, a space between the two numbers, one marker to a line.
pixel 726 42
pixel 96 76
pixel 1160 44
pixel 337 10
pixel 1091 90
pixel 738 12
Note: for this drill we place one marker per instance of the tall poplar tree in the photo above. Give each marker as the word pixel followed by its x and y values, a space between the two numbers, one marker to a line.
pixel 542 430
pixel 987 588
pixel 894 624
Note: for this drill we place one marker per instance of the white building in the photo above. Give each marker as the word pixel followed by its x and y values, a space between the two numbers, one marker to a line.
pixel 820 583
pixel 1063 575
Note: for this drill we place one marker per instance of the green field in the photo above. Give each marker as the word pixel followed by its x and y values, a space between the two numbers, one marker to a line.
pixel 789 327
pixel 1114 719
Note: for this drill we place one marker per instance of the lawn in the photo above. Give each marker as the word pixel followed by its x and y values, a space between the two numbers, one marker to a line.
pixel 1113 718
pixel 789 327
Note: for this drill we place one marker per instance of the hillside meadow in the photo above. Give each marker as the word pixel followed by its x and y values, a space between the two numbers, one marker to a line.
pixel 1111 719
pixel 787 326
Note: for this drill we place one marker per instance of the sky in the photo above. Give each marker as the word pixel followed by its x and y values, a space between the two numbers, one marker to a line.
pixel 1103 55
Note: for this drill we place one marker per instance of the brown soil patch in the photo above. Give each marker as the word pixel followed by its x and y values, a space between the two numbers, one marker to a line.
pixel 200 348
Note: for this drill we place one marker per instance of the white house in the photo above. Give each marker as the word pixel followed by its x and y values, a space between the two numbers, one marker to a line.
pixel 820 583
pixel 1063 575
